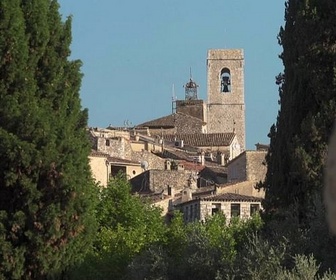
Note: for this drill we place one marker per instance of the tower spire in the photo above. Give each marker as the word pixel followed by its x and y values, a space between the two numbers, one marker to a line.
pixel 190 88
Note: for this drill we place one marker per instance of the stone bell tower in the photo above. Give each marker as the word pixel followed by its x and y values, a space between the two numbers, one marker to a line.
pixel 226 105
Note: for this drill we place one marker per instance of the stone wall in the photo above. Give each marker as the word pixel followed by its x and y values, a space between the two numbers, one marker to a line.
pixel 226 110
pixel 243 188
pixel 159 180
pixel 237 169
pixel 154 162
pixel 195 108
pixel 118 147
pixel 99 169
pixel 225 207
pixel 256 167
pixel 183 125
pixel 201 209
pixel 248 166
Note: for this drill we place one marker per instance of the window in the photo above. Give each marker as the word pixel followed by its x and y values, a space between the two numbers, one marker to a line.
pixel 115 169
pixel 107 142
pixel 134 172
pixel 254 208
pixel 235 210
pixel 216 207
pixel 196 211
pixel 191 212
pixel 225 80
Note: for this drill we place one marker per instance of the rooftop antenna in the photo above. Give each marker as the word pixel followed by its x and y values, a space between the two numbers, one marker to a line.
pixel 173 93
pixel 174 98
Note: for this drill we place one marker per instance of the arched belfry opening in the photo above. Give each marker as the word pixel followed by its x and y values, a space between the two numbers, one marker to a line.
pixel 225 80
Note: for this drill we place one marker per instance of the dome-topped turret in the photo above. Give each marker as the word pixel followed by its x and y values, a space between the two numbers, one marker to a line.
pixel 190 89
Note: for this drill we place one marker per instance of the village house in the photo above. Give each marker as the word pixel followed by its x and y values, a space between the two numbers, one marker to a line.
pixel 230 204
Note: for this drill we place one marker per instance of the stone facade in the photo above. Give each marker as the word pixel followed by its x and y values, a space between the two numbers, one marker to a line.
pixel 195 108
pixel 229 204
pixel 174 123
pixel 159 180
pixel 154 162
pixel 129 168
pixel 225 143
pixel 226 110
pixel 103 167
pixel 99 168
pixel 243 188
pixel 119 147
pixel 248 166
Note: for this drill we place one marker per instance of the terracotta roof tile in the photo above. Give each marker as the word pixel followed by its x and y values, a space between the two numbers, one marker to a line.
pixel 112 159
pixel 233 197
pixel 170 121
pixel 121 160
pixel 95 153
pixel 202 139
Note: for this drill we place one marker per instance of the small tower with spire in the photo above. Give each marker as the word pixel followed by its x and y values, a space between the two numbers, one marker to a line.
pixel 191 105
pixel 190 89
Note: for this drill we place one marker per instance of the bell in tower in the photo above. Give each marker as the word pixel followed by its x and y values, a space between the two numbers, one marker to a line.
pixel 225 80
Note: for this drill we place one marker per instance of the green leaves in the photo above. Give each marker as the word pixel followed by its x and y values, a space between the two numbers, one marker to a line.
pixel 307 97
pixel 45 180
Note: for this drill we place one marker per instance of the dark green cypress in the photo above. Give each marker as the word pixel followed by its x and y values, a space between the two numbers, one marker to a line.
pixel 46 220
pixel 307 104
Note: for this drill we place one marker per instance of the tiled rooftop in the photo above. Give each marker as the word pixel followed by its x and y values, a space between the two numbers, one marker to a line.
pixel 112 159
pixel 202 140
pixel 170 121
pixel 95 153
pixel 233 197
pixel 123 161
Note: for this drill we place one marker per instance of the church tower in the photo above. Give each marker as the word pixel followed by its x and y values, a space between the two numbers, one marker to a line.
pixel 226 105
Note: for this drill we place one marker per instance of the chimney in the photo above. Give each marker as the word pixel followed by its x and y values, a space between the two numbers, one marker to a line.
pixel 202 158
pixel 221 158
pixel 186 194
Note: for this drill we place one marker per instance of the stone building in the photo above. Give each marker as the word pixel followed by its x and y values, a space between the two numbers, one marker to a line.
pixel 224 111
pixel 160 181
pixel 174 123
pixel 104 167
pixel 204 140
pixel 115 150
pixel 248 166
pixel 244 173
pixel 226 105
pixel 230 204
pixel 195 108
pixel 225 144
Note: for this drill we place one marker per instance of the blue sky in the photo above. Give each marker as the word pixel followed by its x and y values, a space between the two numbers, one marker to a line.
pixel 134 51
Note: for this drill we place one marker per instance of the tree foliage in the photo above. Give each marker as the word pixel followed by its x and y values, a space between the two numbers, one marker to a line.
pixel 307 104
pixel 126 226
pixel 195 251
pixel 46 219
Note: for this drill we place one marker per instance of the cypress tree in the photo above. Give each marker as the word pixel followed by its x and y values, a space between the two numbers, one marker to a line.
pixel 46 220
pixel 307 104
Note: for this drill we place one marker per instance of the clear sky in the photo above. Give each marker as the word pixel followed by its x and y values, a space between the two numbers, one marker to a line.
pixel 134 51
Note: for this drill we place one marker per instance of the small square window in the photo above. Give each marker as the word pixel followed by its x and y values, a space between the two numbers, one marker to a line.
pixel 216 207
pixel 254 208
pixel 235 210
